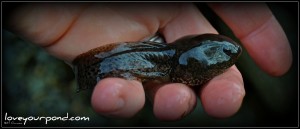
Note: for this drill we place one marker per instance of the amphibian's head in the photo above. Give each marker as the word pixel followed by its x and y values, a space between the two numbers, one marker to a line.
pixel 207 56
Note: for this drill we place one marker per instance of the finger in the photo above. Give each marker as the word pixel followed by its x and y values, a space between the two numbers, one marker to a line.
pixel 67 30
pixel 188 21
pixel 259 31
pixel 223 95
pixel 173 101
pixel 106 23
pixel 117 97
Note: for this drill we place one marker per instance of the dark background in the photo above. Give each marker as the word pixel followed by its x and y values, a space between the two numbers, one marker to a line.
pixel 37 84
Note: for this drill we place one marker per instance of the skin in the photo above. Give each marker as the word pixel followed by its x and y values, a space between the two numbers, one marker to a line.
pixel 66 31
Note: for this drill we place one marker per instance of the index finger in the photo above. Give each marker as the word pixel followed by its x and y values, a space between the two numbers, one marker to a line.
pixel 260 33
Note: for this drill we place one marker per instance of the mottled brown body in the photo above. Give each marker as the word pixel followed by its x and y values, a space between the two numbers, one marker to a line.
pixel 192 60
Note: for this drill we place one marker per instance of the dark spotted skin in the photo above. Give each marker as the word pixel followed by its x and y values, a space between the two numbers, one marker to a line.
pixel 192 60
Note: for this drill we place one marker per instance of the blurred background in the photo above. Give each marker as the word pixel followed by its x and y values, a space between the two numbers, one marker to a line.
pixel 37 84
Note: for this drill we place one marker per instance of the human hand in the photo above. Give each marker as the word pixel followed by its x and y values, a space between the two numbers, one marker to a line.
pixel 66 31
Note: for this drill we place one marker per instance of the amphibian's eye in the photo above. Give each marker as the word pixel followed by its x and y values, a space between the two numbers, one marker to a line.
pixel 227 51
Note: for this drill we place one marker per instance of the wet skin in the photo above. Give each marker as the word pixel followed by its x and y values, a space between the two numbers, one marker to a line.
pixel 192 60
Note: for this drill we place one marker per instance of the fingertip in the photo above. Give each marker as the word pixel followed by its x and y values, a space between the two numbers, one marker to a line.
pixel 173 102
pixel 106 96
pixel 222 96
pixel 260 33
pixel 270 50
pixel 225 102
pixel 118 97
